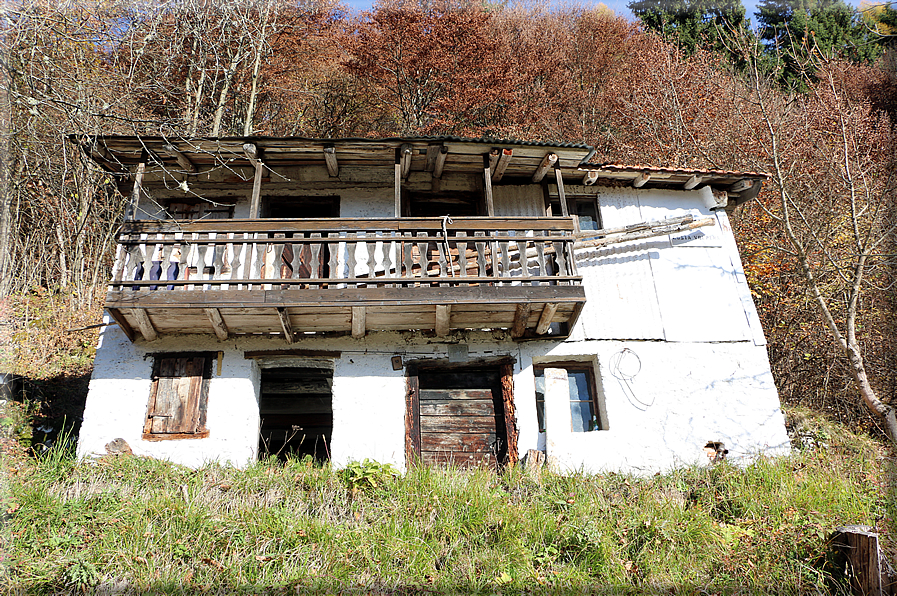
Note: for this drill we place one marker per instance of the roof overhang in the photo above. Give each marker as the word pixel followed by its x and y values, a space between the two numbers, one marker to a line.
pixel 511 160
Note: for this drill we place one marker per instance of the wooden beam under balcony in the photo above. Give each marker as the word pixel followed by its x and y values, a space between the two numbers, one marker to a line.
pixel 217 322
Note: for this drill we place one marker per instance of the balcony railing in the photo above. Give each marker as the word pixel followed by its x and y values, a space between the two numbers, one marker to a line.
pixel 289 276
pixel 343 253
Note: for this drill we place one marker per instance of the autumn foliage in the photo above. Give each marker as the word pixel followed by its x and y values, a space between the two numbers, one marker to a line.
pixel 452 67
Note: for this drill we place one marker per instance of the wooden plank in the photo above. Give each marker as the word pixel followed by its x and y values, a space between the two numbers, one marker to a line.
pixel 285 324
pixel 296 352
pixel 123 324
pixel 358 321
pixel 144 324
pixel 443 319
pixel 217 323
pixel 521 316
pixel 475 459
pixel 510 412
pixel 412 415
pixel 454 407
pixel 452 424
pixel 466 442
pixel 296 384
pixel 459 394
pixel 343 224
pixel 330 159
pixel 545 318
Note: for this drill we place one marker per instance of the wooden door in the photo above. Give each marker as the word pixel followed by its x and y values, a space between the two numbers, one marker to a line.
pixel 458 417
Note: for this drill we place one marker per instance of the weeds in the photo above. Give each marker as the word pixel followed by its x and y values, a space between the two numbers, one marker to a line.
pixel 149 526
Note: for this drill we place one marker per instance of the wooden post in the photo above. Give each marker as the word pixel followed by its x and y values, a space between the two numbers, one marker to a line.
pixel 507 396
pixel 487 174
pixel 562 196
pixel 860 550
pixel 398 167
pixel 131 211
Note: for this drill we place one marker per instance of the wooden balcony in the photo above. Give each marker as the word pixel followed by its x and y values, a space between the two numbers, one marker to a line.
pixel 298 276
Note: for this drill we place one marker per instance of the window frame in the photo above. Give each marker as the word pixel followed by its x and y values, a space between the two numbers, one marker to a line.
pixel 572 200
pixel 572 366
pixel 192 427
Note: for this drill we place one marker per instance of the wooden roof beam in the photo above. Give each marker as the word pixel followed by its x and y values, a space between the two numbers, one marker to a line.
pixel 590 178
pixel 183 160
pixel 641 179
pixel 546 164
pixel 741 186
pixel 692 182
pixel 330 159
pixel 504 159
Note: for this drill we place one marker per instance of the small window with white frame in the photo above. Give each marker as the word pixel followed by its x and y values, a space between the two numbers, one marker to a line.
pixel 585 411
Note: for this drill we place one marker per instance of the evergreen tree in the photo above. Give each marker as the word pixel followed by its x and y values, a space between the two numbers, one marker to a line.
pixel 796 31
pixel 691 24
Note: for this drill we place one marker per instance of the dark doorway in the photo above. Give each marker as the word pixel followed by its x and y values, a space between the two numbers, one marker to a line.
pixel 296 409
pixel 459 416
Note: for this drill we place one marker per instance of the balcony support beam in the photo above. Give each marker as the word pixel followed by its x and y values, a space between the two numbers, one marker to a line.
pixel 285 324
pixel 443 319
pixel 545 318
pixel 217 323
pixel 358 322
pixel 122 323
pixel 520 318
pixel 147 330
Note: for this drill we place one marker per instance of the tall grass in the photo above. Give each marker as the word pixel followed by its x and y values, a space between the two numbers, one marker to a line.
pixel 140 525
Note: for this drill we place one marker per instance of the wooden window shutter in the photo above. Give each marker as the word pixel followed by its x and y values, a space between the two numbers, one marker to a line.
pixel 177 405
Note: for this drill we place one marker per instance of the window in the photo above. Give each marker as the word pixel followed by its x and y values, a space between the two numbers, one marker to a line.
pixel 177 403
pixel 585 208
pixel 584 410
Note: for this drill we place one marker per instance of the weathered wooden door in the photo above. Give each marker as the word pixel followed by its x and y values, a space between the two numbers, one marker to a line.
pixel 458 417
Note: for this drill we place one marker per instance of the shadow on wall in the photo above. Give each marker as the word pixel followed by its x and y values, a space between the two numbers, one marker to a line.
pixel 52 405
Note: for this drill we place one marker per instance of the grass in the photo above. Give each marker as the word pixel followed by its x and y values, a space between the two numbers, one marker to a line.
pixel 139 525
